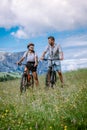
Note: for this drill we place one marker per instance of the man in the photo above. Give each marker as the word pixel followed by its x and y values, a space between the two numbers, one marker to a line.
pixel 54 51
pixel 32 61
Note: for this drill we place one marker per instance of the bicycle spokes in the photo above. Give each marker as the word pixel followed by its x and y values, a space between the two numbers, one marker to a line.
pixel 51 79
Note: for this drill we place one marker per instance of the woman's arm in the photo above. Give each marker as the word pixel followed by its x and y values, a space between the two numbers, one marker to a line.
pixel 36 60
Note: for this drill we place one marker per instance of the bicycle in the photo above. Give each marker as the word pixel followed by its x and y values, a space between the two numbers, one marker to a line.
pixel 51 74
pixel 27 80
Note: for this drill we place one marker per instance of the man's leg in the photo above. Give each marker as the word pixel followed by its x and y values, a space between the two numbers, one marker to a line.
pixel 61 77
pixel 58 69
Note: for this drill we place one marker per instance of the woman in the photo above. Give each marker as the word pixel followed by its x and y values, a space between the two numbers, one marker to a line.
pixel 32 62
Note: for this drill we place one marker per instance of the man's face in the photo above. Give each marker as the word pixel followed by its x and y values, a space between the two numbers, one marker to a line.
pixel 51 42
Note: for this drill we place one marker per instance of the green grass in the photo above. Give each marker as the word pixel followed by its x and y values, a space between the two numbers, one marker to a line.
pixel 5 76
pixel 45 109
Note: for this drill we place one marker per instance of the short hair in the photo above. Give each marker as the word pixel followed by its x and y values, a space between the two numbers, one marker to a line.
pixel 51 37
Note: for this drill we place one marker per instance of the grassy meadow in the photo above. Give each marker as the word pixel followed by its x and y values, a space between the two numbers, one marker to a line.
pixel 45 109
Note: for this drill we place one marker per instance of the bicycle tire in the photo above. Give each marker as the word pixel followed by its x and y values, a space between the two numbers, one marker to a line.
pixel 23 83
pixel 32 81
pixel 47 82
pixel 53 78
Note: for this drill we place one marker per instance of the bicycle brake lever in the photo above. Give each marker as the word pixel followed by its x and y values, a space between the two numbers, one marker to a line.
pixel 45 59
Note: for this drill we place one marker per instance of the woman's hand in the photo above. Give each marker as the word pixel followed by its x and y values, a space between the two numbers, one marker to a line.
pixel 35 64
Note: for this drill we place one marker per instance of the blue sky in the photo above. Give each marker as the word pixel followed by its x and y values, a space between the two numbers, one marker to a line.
pixel 24 21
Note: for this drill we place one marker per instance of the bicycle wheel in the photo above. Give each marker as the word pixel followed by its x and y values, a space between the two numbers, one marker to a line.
pixel 23 83
pixel 31 82
pixel 53 78
pixel 47 81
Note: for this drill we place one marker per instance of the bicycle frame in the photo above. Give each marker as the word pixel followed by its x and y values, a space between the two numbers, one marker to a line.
pixel 25 80
pixel 51 73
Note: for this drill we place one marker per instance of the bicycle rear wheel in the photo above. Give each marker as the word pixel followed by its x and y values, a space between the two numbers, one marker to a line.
pixel 23 83
pixel 31 81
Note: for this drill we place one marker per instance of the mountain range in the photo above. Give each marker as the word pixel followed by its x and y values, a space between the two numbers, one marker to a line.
pixel 8 60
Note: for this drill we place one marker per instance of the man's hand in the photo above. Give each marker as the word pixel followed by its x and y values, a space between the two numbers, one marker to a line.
pixel 43 55
pixel 42 58
pixel 61 58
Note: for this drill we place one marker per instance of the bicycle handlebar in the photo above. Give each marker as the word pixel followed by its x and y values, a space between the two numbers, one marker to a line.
pixel 20 64
pixel 51 59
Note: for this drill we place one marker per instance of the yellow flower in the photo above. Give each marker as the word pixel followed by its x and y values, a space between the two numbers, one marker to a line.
pixel 3 116
pixel 65 127
pixel 7 111
pixel 50 127
pixel 30 128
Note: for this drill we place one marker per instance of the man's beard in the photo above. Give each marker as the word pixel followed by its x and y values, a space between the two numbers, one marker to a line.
pixel 51 44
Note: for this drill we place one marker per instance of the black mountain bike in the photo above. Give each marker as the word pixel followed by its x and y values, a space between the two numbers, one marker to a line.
pixel 27 80
pixel 51 74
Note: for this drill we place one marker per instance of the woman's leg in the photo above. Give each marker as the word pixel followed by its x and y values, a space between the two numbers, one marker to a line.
pixel 35 78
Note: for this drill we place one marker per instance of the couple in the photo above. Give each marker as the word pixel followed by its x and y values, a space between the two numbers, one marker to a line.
pixel 54 51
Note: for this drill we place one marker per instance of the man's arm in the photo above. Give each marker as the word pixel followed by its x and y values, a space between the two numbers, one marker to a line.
pixel 45 51
pixel 43 55
pixel 61 56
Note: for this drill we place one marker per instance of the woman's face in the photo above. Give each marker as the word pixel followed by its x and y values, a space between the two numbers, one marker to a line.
pixel 31 48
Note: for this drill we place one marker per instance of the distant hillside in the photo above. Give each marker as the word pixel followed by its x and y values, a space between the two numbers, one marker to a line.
pixel 8 60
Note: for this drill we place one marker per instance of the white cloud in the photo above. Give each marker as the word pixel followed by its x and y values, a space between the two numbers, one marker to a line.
pixel 75 53
pixel 74 64
pixel 20 34
pixel 75 40
pixel 37 17
pixel 75 46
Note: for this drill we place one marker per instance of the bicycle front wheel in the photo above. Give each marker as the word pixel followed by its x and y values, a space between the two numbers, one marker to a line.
pixel 23 83
pixel 47 81
pixel 53 78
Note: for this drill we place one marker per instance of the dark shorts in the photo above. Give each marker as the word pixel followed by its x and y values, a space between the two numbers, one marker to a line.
pixel 31 67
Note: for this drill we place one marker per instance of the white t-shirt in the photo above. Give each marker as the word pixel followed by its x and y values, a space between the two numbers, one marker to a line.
pixel 30 56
